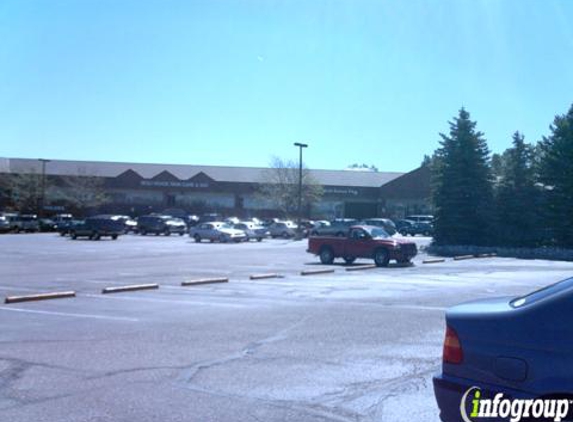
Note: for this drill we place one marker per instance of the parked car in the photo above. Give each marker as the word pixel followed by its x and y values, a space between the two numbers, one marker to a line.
pixel 284 229
pixel 129 224
pixel 517 346
pixel 96 227
pixel 387 224
pixel 29 223
pixel 362 242
pixel 64 226
pixel 252 230
pixel 4 224
pixel 425 229
pixel 160 224
pixel 338 227
pixel 216 231
pixel 401 224
pixel 47 225
pixel 418 218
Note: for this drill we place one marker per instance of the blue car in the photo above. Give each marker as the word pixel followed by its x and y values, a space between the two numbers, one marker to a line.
pixel 506 350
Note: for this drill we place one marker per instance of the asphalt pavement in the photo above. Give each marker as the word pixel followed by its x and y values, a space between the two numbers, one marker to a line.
pixel 345 346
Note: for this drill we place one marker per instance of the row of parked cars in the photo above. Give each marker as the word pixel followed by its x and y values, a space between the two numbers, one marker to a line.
pixel 410 226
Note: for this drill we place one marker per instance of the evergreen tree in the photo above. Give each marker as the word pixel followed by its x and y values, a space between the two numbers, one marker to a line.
pixel 517 198
pixel 557 177
pixel 462 186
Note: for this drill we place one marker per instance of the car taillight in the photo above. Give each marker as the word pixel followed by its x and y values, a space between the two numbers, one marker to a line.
pixel 452 347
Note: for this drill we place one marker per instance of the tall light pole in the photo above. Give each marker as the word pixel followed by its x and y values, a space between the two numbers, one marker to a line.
pixel 43 194
pixel 300 147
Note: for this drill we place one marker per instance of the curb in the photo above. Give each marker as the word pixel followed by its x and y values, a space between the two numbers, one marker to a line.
pixel 312 272
pixel 40 296
pixel 462 257
pixel 263 276
pixel 204 281
pixel 130 288
pixel 433 261
pixel 362 267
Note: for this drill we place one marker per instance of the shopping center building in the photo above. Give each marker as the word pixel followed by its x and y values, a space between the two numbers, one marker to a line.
pixel 134 188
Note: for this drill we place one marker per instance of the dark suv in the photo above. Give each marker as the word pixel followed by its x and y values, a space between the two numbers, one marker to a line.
pixel 160 224
pixel 96 227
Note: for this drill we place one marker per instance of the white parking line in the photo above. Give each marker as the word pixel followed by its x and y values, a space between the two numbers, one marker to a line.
pixel 66 314
pixel 179 302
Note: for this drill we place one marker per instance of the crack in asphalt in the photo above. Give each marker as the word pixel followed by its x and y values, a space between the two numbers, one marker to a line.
pixel 190 374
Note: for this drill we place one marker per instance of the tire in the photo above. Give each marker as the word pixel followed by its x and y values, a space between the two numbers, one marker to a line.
pixel 167 233
pixel 222 239
pixel 285 235
pixel 326 256
pixel 404 233
pixel 73 235
pixel 349 260
pixel 259 239
pixel 381 257
pixel 114 236
pixel 181 233
pixel 197 238
pixel 314 233
pixel 96 236
pixel 143 232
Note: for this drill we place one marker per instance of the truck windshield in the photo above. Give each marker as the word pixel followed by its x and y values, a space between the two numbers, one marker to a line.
pixel 378 233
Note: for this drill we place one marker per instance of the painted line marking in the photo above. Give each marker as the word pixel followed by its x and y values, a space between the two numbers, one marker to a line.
pixel 67 314
pixel 179 302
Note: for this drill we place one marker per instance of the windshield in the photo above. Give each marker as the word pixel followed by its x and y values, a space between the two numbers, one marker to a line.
pixel 378 233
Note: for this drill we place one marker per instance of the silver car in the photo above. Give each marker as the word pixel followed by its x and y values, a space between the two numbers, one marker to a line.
pixel 217 231
pixel 284 229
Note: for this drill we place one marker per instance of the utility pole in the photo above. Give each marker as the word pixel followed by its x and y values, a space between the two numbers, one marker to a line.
pixel 300 147
pixel 43 192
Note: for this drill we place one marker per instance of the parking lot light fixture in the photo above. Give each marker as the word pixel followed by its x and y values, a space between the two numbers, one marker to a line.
pixel 299 211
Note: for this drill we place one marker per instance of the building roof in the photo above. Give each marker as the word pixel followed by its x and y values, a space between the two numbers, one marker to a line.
pixel 412 185
pixel 184 172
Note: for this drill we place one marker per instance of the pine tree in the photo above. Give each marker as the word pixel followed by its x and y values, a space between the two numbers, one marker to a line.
pixel 517 198
pixel 557 177
pixel 462 186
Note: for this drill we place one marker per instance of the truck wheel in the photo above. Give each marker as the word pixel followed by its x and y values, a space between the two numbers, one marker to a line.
pixel 114 236
pixel 197 238
pixel 143 232
pixel 381 258
pixel 349 260
pixel 326 256
pixel 285 235
pixel 167 232
pixel 73 235
pixel 96 236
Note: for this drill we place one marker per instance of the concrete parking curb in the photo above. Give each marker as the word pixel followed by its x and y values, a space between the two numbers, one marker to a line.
pixel 312 272
pixel 362 267
pixel 433 261
pixel 263 276
pixel 204 281
pixel 39 296
pixel 131 288
pixel 462 257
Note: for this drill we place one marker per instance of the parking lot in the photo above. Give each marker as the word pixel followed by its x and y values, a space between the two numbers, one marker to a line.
pixel 344 346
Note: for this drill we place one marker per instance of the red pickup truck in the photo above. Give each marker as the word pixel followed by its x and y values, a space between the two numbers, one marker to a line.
pixel 362 242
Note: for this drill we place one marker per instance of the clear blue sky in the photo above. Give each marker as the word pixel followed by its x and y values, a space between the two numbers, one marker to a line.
pixel 226 82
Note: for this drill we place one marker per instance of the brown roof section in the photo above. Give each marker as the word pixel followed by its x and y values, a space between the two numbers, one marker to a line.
pixel 412 185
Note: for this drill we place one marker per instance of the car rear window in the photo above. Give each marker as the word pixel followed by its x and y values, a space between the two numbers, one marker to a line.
pixel 542 293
